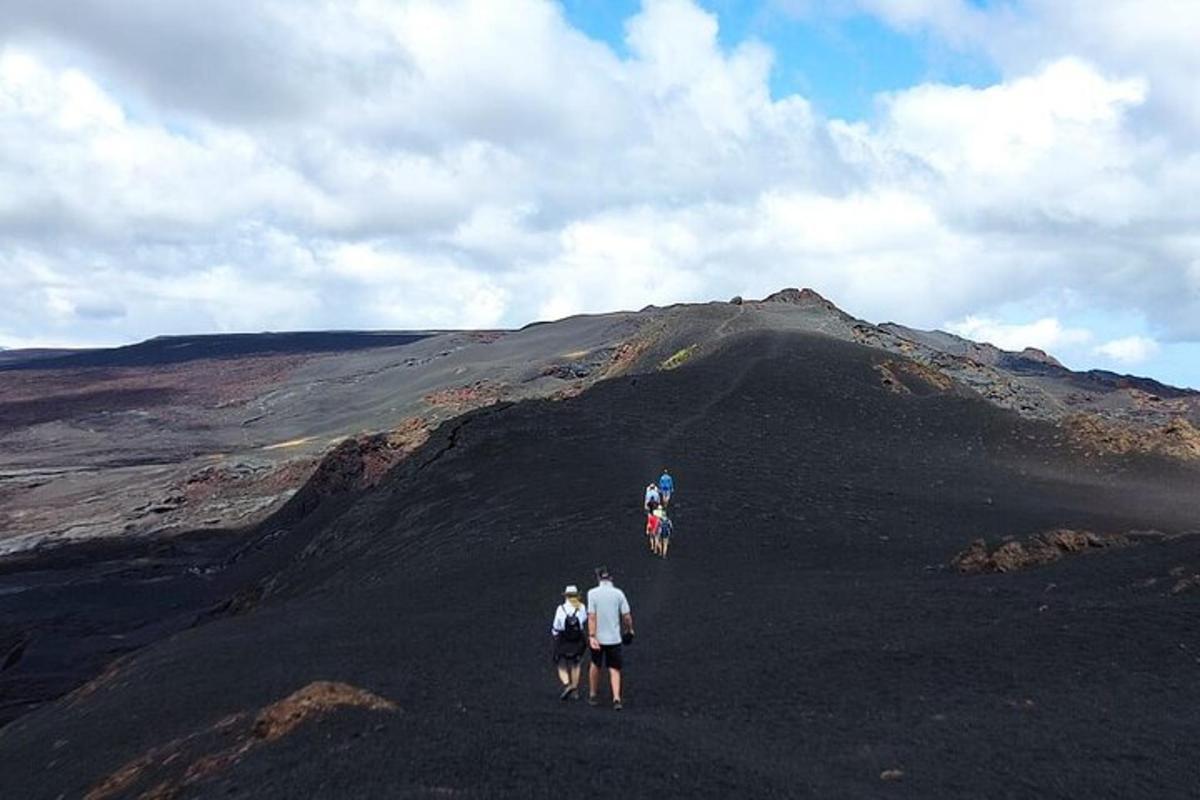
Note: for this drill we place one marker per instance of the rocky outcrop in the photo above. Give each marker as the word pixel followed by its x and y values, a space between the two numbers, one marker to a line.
pixel 458 399
pixel 361 462
pixel 802 297
pixel 911 377
pixel 317 699
pixel 182 764
pixel 1043 548
pixel 1185 579
pixel 1177 438
pixel 1040 356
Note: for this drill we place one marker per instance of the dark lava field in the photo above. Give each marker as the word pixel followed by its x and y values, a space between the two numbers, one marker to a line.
pixel 807 636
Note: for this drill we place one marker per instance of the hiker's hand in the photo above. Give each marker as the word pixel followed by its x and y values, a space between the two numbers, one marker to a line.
pixel 593 643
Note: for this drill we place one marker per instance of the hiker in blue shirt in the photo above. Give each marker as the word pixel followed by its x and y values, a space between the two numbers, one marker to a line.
pixel 665 528
pixel 666 485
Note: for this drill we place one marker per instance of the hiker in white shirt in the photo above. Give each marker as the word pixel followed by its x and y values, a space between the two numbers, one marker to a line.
pixel 610 625
pixel 653 498
pixel 569 630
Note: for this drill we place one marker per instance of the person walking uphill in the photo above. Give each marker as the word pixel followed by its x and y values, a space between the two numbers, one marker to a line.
pixel 666 487
pixel 653 519
pixel 653 499
pixel 569 630
pixel 663 540
pixel 610 625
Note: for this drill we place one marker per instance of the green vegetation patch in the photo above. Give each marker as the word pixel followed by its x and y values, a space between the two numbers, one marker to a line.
pixel 677 359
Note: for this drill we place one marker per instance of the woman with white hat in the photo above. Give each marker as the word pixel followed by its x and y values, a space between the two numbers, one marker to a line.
pixel 569 630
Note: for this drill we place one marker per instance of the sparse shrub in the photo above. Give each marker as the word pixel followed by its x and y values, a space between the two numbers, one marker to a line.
pixel 679 357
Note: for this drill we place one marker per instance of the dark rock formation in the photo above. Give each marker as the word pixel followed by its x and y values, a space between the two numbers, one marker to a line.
pixel 1043 548
pixel 801 297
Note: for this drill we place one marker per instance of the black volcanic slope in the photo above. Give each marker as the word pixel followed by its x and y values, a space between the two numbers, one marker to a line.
pixel 803 639
pixel 179 349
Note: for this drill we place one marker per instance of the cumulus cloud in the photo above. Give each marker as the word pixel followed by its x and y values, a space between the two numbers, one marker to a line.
pixel 271 60
pixel 479 163
pixel 1048 333
pixel 1129 350
pixel 1155 41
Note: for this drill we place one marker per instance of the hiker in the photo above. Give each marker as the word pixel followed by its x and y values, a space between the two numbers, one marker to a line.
pixel 665 527
pixel 653 499
pixel 610 625
pixel 653 520
pixel 570 640
pixel 666 485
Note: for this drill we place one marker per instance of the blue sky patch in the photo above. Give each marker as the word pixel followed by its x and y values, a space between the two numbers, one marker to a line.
pixel 838 62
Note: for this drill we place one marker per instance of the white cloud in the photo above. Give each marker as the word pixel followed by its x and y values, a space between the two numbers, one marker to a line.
pixel 1048 333
pixel 479 162
pixel 1051 145
pixel 956 20
pixel 1155 41
pixel 12 342
pixel 1129 350
pixel 406 291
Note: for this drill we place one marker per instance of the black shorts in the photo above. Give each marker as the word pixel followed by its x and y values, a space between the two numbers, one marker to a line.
pixel 609 655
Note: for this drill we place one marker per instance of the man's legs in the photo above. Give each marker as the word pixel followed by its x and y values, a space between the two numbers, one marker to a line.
pixel 665 544
pixel 614 675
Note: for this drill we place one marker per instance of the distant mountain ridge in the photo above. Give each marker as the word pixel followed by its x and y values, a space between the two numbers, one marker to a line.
pixel 219 430
pixel 174 349
pixel 14 356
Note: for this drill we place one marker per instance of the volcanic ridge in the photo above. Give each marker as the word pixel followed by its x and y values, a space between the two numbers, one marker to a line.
pixel 905 564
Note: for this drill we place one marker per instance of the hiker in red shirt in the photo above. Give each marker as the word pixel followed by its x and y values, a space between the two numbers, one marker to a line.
pixel 653 519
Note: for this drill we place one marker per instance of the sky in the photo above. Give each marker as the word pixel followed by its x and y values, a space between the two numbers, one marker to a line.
pixel 1023 172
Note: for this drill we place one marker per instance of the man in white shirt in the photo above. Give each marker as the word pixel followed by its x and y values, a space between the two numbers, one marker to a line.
pixel 608 617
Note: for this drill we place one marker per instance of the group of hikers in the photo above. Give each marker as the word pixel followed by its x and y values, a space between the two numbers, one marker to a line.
pixel 605 624
pixel 658 525
pixel 601 628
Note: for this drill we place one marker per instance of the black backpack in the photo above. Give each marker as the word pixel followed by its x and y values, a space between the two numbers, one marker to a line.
pixel 572 627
